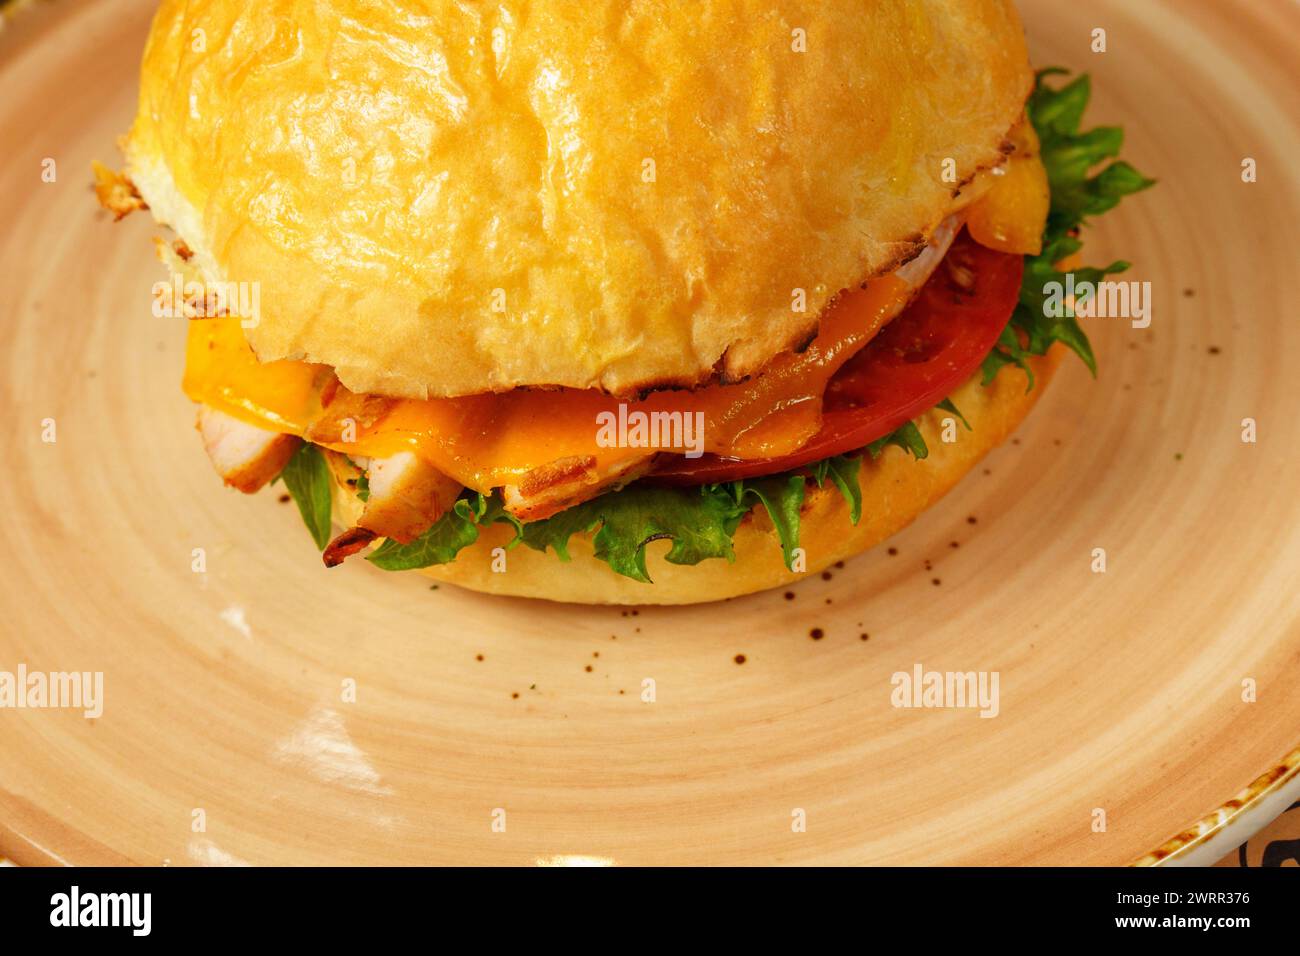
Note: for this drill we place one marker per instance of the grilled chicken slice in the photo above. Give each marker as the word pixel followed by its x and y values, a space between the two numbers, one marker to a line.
pixel 407 495
pixel 346 545
pixel 550 489
pixel 245 456
pixel 346 414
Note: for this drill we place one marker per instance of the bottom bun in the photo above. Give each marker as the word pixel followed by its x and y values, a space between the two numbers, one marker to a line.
pixel 895 489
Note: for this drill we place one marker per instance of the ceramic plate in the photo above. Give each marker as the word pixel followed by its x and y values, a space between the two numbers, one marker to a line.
pixel 1143 712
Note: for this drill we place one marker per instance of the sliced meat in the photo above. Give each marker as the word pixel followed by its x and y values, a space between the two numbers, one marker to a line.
pixel 346 545
pixel 407 495
pixel 346 414
pixel 245 456
pixel 550 489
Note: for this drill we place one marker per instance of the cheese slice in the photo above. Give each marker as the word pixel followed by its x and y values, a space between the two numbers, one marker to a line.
pixel 487 441
pixel 1010 216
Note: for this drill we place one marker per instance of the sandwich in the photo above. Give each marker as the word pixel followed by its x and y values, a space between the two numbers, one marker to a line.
pixel 618 303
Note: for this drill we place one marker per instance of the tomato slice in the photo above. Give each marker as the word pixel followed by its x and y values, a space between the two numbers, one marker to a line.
pixel 914 363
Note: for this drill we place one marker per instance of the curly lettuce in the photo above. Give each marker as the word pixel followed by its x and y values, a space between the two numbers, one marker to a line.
pixel 1077 194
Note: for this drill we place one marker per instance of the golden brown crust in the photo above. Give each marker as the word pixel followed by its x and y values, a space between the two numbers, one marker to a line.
pixel 442 199
pixel 895 490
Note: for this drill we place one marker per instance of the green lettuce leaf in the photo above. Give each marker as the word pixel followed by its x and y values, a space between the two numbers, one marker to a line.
pixel 907 437
pixel 782 497
pixel 448 536
pixel 307 476
pixel 700 523
pixel 948 406
pixel 1069 157
pixel 842 470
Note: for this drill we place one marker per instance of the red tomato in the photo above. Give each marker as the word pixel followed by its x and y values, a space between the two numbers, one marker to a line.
pixel 914 363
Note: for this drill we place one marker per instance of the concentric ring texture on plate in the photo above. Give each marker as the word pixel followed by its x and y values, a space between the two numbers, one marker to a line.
pixel 266 710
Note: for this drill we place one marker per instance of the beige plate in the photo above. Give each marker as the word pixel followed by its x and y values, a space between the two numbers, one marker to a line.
pixel 1120 692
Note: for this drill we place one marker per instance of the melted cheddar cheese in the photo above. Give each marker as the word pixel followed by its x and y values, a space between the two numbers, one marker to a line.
pixel 486 441
pixel 1010 217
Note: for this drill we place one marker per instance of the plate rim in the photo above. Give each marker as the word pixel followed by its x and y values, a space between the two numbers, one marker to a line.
pixel 1230 815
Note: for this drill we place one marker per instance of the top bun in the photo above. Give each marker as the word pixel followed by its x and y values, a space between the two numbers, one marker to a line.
pixel 443 198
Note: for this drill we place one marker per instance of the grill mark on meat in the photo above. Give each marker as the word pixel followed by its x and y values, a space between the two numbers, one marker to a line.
pixel 561 471
pixel 342 406
pixel 245 456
